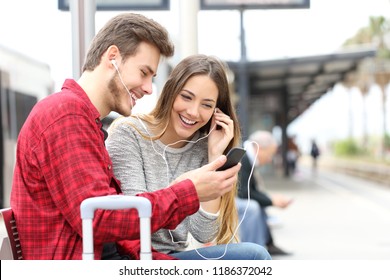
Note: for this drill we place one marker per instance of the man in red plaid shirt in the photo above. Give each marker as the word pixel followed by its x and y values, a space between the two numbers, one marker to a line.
pixel 62 160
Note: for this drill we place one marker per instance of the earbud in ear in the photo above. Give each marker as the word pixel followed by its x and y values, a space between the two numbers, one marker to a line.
pixel 113 61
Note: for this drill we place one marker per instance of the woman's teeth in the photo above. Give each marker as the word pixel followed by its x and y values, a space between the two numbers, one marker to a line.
pixel 187 121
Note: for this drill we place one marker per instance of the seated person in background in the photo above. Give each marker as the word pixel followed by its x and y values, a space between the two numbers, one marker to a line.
pixel 61 159
pixel 192 124
pixel 264 145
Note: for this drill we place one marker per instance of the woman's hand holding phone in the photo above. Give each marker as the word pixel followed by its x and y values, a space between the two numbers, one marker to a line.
pixel 234 156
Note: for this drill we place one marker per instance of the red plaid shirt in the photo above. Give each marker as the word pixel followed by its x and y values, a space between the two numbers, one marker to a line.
pixel 61 160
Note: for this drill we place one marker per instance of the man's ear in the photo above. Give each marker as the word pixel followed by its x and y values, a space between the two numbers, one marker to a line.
pixel 112 53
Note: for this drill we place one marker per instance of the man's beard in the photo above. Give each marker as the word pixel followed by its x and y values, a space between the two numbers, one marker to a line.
pixel 116 92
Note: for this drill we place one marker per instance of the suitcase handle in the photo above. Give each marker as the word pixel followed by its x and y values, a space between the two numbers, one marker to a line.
pixel 116 202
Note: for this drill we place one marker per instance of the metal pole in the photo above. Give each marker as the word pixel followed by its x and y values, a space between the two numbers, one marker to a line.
pixel 83 30
pixel 243 82
pixel 284 125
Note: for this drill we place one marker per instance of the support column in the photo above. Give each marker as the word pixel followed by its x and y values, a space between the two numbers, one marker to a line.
pixel 188 27
pixel 83 31
pixel 243 87
pixel 284 125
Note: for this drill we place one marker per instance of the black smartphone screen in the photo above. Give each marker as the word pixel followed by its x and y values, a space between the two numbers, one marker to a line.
pixel 234 156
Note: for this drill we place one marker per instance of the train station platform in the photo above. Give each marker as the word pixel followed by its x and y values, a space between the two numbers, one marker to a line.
pixel 333 216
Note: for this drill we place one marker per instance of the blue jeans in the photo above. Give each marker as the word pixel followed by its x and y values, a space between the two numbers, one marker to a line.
pixel 233 251
pixel 253 227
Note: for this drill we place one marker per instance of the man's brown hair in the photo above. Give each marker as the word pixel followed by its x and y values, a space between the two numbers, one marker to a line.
pixel 127 31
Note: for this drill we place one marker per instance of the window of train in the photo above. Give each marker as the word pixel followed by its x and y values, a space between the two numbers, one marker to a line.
pixel 19 106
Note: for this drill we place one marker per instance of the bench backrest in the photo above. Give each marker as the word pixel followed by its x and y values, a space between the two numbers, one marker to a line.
pixel 9 237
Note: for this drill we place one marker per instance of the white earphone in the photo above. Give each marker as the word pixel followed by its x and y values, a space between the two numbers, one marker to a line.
pixel 113 61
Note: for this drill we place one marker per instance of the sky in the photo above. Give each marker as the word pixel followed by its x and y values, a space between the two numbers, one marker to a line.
pixel 39 30
pixel 287 33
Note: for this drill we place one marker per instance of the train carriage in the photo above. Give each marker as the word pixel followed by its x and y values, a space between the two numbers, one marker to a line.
pixel 23 82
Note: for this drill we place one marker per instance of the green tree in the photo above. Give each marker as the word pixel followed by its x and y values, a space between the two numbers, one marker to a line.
pixel 379 70
pixel 373 34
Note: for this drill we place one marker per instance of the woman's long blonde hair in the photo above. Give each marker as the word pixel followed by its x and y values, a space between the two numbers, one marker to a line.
pixel 158 120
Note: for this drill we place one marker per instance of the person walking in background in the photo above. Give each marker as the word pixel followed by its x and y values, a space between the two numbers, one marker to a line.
pixel 293 155
pixel 314 153
pixel 260 149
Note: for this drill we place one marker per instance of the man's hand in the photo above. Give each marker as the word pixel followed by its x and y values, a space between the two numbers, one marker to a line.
pixel 211 184
pixel 280 201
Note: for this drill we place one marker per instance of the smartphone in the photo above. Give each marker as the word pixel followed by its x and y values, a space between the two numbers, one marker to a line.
pixel 234 156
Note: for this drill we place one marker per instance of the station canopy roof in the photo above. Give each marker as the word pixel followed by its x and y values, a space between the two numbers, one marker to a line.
pixel 302 80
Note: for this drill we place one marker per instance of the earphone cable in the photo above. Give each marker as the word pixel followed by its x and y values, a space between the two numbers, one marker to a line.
pixel 167 165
